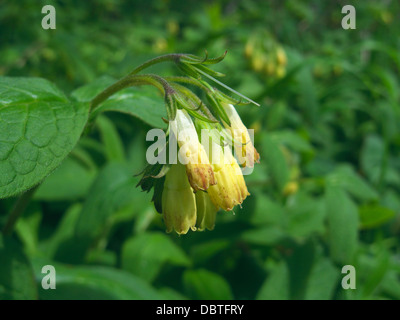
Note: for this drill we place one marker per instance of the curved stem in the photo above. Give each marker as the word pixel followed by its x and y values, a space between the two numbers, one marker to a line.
pixel 128 81
pixel 19 207
pixel 167 57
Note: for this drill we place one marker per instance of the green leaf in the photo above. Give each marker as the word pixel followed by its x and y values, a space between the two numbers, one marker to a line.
pixel 276 162
pixel 94 283
pixel 372 157
pixel 143 103
pixel 342 225
pixel 300 262
pixel 145 254
pixel 292 140
pixel 378 268
pixel 17 280
pixel 345 177
pixel 390 285
pixel 63 233
pixel 70 181
pixel 266 211
pixel 113 146
pixel 267 236
pixel 170 294
pixel 113 189
pixel 276 286
pixel 87 92
pixel 372 216
pixel 39 128
pixel 204 252
pixel 27 228
pixel 306 216
pixel 308 94
pixel 323 280
pixel 205 285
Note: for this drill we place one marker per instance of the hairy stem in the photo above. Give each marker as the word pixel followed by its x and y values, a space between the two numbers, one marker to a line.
pixel 167 57
pixel 129 81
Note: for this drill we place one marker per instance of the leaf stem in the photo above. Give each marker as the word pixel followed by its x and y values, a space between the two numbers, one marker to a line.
pixel 19 207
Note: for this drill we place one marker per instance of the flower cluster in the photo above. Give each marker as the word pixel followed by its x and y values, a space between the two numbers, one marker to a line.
pixel 204 176
pixel 266 55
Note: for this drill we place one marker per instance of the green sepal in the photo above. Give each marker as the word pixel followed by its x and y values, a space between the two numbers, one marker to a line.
pixel 189 70
pixel 218 109
pixel 188 100
pixel 210 72
pixel 192 59
pixel 170 106
pixel 157 195
pixel 230 100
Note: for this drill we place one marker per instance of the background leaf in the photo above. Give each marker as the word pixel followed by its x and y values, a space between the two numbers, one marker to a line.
pixel 141 255
pixel 143 103
pixel 205 285
pixel 343 224
pixel 94 283
pixel 277 284
pixel 113 189
pixel 16 274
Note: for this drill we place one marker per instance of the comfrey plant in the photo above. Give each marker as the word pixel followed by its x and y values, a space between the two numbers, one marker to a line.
pixel 203 176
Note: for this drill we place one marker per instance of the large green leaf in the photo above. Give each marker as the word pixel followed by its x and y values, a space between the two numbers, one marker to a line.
pixel 145 254
pixel 143 103
pixel 16 274
pixel 39 126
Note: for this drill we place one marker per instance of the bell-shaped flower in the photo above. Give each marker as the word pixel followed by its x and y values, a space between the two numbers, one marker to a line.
pixel 192 153
pixel 243 144
pixel 230 189
pixel 178 201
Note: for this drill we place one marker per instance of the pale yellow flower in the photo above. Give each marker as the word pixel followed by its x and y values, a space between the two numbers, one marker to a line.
pixel 244 147
pixel 230 189
pixel 192 153
pixel 206 211
pixel 178 201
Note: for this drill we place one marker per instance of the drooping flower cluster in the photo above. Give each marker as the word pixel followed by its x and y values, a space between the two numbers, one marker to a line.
pixel 204 176
pixel 203 180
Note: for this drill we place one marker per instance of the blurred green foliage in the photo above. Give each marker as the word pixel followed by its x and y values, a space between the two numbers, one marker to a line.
pixel 326 193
